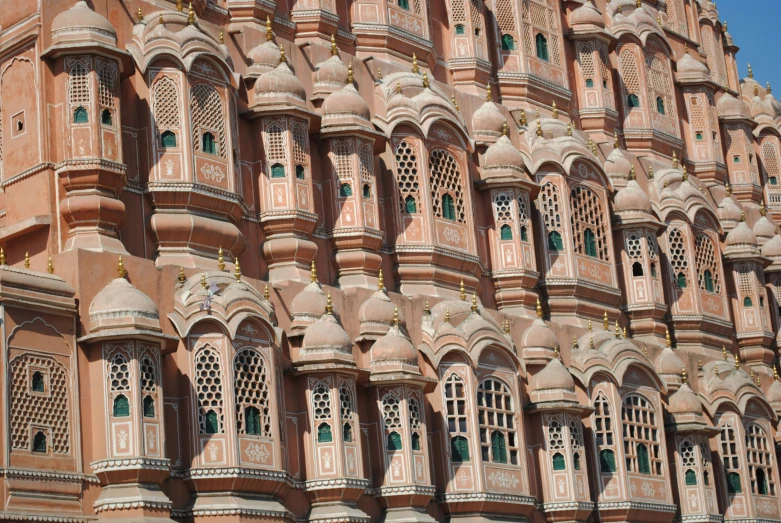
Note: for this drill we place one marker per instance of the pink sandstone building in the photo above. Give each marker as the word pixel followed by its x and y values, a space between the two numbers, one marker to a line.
pixel 386 261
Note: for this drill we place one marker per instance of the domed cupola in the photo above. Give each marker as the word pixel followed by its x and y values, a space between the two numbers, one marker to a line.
pixel 772 250
pixel 308 305
pixel 394 352
pixel 378 314
pixel 279 87
pixel 763 228
pixel 740 241
pixel 325 341
pixel 503 164
pixel 488 121
pixel 617 165
pixel 685 408
pixel 692 70
pixel 774 392
pixel 553 384
pixel 330 75
pixel 729 213
pixel 632 199
pixel 264 57
pixel 586 19
pixel 668 364
pixel 346 108
pixel 80 26
pixel 538 342
pixel 731 108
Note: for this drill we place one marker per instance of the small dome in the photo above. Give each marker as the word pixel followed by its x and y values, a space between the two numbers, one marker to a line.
pixel 586 14
pixel 81 18
pixel 264 57
pixel 280 81
pixel 687 64
pixel 774 392
pixel 120 304
pixel 669 363
pixel 488 119
pixel 332 71
pixel 379 310
pixel 632 198
pixel 539 336
pixel 346 101
pixel 763 228
pixel 762 108
pixel 772 247
pixel 684 401
pixel 617 164
pixel 312 301
pixel 326 335
pixel 730 107
pixel 554 376
pixel 394 347
pixel 503 154
pixel 741 235
pixel 729 210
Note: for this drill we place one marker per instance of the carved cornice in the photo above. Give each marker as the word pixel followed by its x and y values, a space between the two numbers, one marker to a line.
pixel 106 465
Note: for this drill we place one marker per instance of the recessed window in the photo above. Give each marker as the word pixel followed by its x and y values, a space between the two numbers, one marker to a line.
pixel 558 461
pixel 747 302
pixel 477 31
pixel 347 432
pixel 17 124
pixel 637 269
pixel 643 461
pixel 39 442
pixel 300 173
pixel 252 421
pixel 706 478
pixel 589 82
pixel 149 407
pixel 604 84
pixel 498 447
pixel 681 280
pixel 460 29
pixel 762 301
pixel 607 461
pixel 542 46
pixel 121 407
pixel 576 461
pixel 653 270
pixel 506 232
pixel 105 117
pixel 410 205
pixel 38 384
pixel 773 180
pixel 394 441
pixel 277 170
pixel 448 207
pixel 459 449
pixel 212 425
pixel 367 190
pixel 324 433
pixel 736 159
pixel 508 42
pixel 633 101
pixel 734 485
pixel 698 136
pixel 761 482
pixel 659 105
pixel 168 139
pixel 707 278
pixel 590 243
pixel 691 477
pixel 404 4
pixel 345 190
pixel 415 441
pixel 524 234
pixel 554 242
pixel 209 146
pixel 80 115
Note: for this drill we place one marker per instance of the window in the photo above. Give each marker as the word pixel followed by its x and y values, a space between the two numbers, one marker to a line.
pixel 455 408
pixel 590 243
pixel 760 461
pixel 698 136
pixel 589 83
pixel 506 232
pixel 149 407
pixel 747 302
pixel 277 170
pixel 37 382
pixel 105 117
pixel 681 280
pixel 459 448
pixel 641 436
pixel 459 29
pixel 691 477
pixel 394 441
pixel 558 461
pixel 508 42
pixel 736 159
pixel 542 46
pixel 556 443
pixel 80 115
pixel 589 230
pixel 678 256
pixel 410 205
pixel 706 478
pixel 347 432
pixel 733 483
pixel 773 180
pixel 658 79
pixel 730 458
pixel 554 242
pixel 121 407
pixel 404 4
pixel 415 420
pixel 407 176
pixel 603 432
pixel 445 176
pixel 39 442
pixel 251 393
pixel 347 408
pixel 496 418
pixel 524 234
pixel 576 461
pixel 607 460
pixel 415 441
pixel 208 386
pixel 345 190
pixel 708 280
pixel 168 139
pixel 300 172
pixel 637 269
pixel 367 191
pixel 207 143
pixel 659 105
pixel 653 270
pixel 324 433
pixel 448 207
pixel 208 120
pixel 633 101
pixel 252 421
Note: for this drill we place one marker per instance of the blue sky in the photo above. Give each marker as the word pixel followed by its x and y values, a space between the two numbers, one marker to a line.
pixel 754 26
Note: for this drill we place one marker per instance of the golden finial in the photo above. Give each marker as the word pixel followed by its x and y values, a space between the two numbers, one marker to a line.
pixel 50 266
pixel 507 326
pixel 350 77
pixel 675 160
pixel 625 335
pixel 539 309
pixel 717 371
pixel 724 352
pixel 182 278
pixel 616 143
pixel 756 89
pixel 725 26
pixel 539 127
pixel 474 302
pixel 775 373
pixel 592 146
pixel 589 325
pixel 769 89
pixel 120 265
pixel 555 111
pixel 750 70
pixel 396 316
pixel 618 330
pixel 380 281
pixel 190 14
pixel 639 3
pixel 659 19
pixel 427 309
pixel 140 15
pixel 556 352
pixel 504 128
pixel 728 189
pixel 684 376
pixel 550 134
pixel 574 342
pixel 398 87
pixel 488 95
pixel 269 31
pixel 2 256
pixel 463 291
pixel 685 173
pixel 667 340
pixel 759 381
pixel 762 210
pixel 447 315
pixel 179 6
pixel 699 364
pixel 737 362
pixel 329 306
pixel 334 49
pixel 686 47
pixel 591 342
pixel 415 68
pixel 282 57
pixel 605 321
pixel 425 80
pixel 650 172
pixel 752 374
pixel 313 272
pixel 265 293
pixel 379 74
pixel 645 351
pixel 632 173
pixel 222 38
pixel 203 280
pixel 523 117
pixel 569 128
pixel 163 21
pixel 742 216
pixel 237 270
pixel 220 260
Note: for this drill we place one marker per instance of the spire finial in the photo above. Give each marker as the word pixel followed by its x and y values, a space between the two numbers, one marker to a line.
pixel 2 256
pixel 425 80
pixel 222 36
pixel 638 3
pixel 699 364
pixel 415 68
pixel 616 143
pixel 539 308
pixel 396 316
pixel 775 373
pixel 50 266
pixel 447 315
pixel 182 278
pixel 474 302
pixel 650 172
pixel 684 376
pixel 488 95
pixel 589 325
pixel 539 128
pixel 140 15
pixel 329 306
pixel 237 270
pixel 523 117
pixel 742 216
pixel 750 71
pixel 269 31
pixel 179 5
pixel 618 330
pixel 162 22
pixel 504 127
pixel 380 281
pixel 724 352
pixel 725 26
pixel 737 361
pixel 769 89
pixel 685 173
pixel 625 334
pixel 675 160
pixel 728 189
pixel 313 273
pixel 282 57
pixel 190 14
pixel 120 265
pixel 717 371
pixel 427 309
pixel 605 321
pixel 667 339
pixel 379 74
pixel 265 292
pixel 334 48
pixel 574 342
pixel 555 111
pixel 398 87
pixel 507 326
pixel 463 291
pixel 632 173
pixel 762 209
pixel 591 342
pixel 350 77
pixel 569 128
pixel 756 89
pixel 203 280
pixel 220 260
pixel 556 352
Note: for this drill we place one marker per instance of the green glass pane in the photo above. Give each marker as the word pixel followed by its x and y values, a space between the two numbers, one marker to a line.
pixel 394 441
pixel 121 407
pixel 324 433
pixel 558 461
pixel 691 477
pixel 277 170
pixel 212 424
pixel 105 117
pixel 415 441
pixel 345 190
pixel 149 407
pixel 168 139
pixel 643 460
pixel 607 461
pixel 39 442
pixel 410 206
pixel 506 233
pixel 252 421
pixel 733 483
pixel 300 173
pixel 80 115
pixel 347 432
pixel 38 385
pixel 498 447
pixel 459 448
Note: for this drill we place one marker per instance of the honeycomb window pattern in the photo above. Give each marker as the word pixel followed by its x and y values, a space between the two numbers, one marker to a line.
pixel 391 411
pixel 679 260
pixel 49 411
pixel 705 258
pixel 688 456
pixel 575 434
pixel 634 246
pixel 366 161
pixel 503 206
pixel 653 247
pixel 540 18
pixel 148 374
pixel 587 214
pixel 119 373
pixel 630 74
pixel 551 206
pixel 415 414
pixel 445 178
pixel 407 174
pixel 208 114
pixel 321 401
pixel 346 400
pixel 107 73
pixel 640 429
pixel 760 458
pixel 208 387
pixel 165 103
pixel 556 435
pixel 496 413
pixel 659 83
pixel 252 389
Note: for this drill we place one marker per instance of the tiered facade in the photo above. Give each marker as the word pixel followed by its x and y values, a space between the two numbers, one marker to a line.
pixel 386 261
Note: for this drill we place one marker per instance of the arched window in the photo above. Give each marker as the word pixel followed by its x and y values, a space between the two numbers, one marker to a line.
pixel 448 207
pixel 347 432
pixel 604 434
pixel 460 29
pixel 589 83
pixel 747 302
pixel 506 232
pixel 590 243
pixel 347 408
pixel 589 229
pixel 707 279
pixel 80 115
pixel 38 384
pixel 760 461
pixel 168 139
pixel 508 42
pixel 394 441
pixel 105 117
pixel 576 461
pixel 555 244
pixel 446 182
pixel 345 190
pixel 641 436
pixel 659 105
pixel 300 172
pixel 207 143
pixel 407 179
pixel 149 407
pixel 208 387
pixel 542 47
pixel 691 477
pixel 211 423
pixel 607 460
pixel 410 205
pixel 524 234
pixel 455 407
pixel 251 393
pixel 681 280
pixel 121 407
pixel 39 442
pixel 734 485
pixel 415 419
pixel 367 191
pixel 678 256
pixel 653 270
pixel 391 417
pixel 633 101
pixel 730 458
pixel 637 269
pixel 252 421
pixel 404 4
pixel 208 118
pixel 324 434
pixel 415 441
pixel 277 170
pixel 496 417
pixel 556 444
pixel 698 137
pixel 559 462
pixel 658 78
pixel 119 376
pixel 321 410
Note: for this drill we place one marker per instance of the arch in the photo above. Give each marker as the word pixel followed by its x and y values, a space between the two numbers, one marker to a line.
pixel 345 190
pixel 555 243
pixel 38 384
pixel 300 172
pixel 208 120
pixel 394 441
pixel 496 416
pixel 459 449
pixel 121 407
pixel 80 115
pixel 277 170
pixel 168 139
pixel 508 42
pixel 641 435
pixel 415 441
pixel 637 269
pixel 460 29
pixel 39 442
pixel 105 117
pixel 324 434
pixel 208 390
pixel 690 477
pixel 149 407
pixel 558 462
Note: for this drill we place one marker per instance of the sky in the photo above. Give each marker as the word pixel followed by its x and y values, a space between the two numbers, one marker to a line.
pixel 754 26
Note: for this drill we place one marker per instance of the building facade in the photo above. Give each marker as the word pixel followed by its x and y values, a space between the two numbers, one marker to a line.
pixel 386 261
